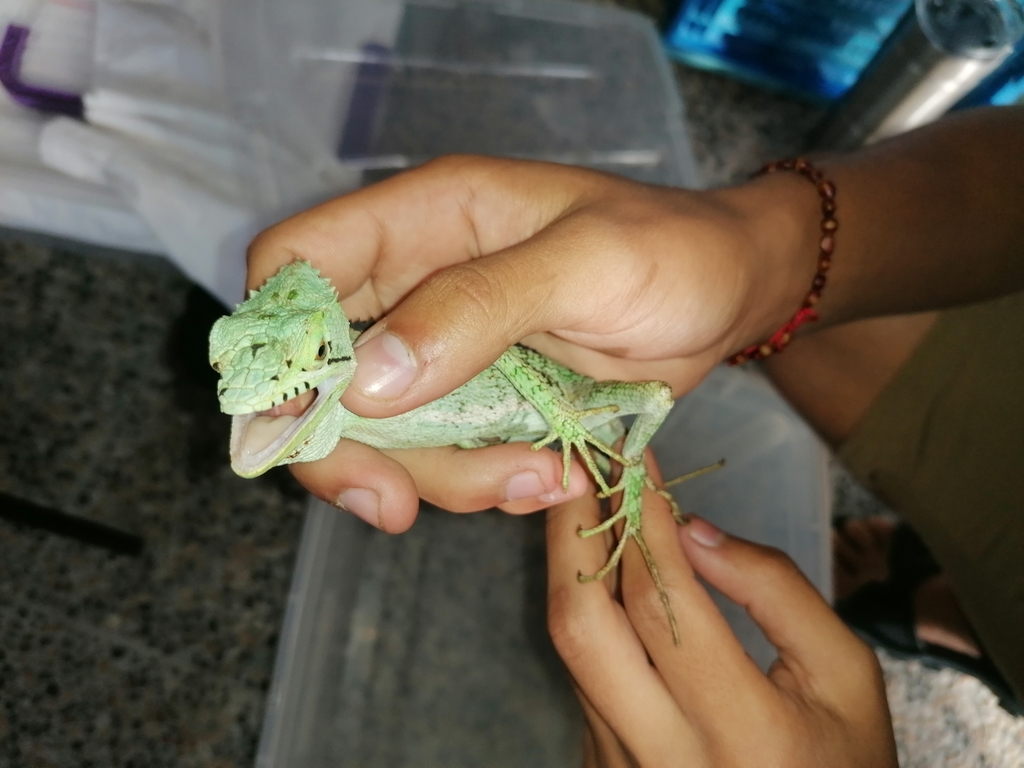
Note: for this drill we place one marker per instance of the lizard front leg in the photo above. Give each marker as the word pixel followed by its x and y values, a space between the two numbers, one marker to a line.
pixel 564 404
pixel 564 418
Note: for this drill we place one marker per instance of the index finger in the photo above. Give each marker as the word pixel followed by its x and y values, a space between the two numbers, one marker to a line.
pixel 598 645
pixel 378 243
pixel 709 672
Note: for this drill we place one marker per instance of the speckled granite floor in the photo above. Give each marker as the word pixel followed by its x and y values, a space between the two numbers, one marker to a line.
pixel 160 659
pixel 164 659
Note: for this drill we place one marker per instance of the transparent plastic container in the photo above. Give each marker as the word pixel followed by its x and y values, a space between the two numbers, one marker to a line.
pixel 430 648
pixel 938 54
pixel 325 90
pixel 1003 87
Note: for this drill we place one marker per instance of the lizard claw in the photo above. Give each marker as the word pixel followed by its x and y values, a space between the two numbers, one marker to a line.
pixel 567 427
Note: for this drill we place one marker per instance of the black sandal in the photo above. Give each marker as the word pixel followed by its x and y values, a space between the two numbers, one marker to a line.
pixel 882 614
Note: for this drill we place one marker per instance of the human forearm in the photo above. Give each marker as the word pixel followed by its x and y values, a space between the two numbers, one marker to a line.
pixel 927 220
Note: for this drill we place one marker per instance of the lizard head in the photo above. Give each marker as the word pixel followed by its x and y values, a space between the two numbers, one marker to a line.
pixel 284 357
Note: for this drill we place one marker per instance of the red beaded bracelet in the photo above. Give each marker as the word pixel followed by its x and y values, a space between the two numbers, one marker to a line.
pixel 806 314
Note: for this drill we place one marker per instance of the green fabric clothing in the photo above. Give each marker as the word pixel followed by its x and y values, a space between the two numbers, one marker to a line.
pixel 944 446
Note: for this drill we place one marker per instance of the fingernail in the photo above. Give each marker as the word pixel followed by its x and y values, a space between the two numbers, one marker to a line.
pixel 361 502
pixel 386 367
pixel 528 485
pixel 704 533
pixel 525 485
pixel 556 495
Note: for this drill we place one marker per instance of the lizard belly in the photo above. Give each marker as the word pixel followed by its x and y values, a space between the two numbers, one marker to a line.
pixel 484 411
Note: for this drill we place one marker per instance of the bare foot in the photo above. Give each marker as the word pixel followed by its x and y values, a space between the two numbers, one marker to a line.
pixel 861 555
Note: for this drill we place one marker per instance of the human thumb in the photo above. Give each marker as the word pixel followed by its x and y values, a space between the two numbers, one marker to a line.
pixel 454 325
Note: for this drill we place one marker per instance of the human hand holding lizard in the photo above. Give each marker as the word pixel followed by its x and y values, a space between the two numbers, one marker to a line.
pixel 466 256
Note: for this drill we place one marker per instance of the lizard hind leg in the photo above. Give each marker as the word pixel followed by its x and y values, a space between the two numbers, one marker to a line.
pixel 681 517
pixel 659 586
pixel 634 480
pixel 695 473
pixel 677 513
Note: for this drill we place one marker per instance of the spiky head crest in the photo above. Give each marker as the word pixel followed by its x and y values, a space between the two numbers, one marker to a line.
pixel 285 339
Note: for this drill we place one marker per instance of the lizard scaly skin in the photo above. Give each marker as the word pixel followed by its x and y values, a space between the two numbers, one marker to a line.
pixel 291 338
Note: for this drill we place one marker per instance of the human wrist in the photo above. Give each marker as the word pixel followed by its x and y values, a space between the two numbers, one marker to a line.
pixel 781 217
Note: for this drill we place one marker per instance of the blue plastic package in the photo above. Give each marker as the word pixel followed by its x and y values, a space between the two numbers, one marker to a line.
pixel 809 48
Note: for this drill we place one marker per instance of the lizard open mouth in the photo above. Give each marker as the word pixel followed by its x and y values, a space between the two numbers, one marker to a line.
pixel 266 426
pixel 258 439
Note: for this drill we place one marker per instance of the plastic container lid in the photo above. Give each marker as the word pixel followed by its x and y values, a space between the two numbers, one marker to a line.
pixel 324 89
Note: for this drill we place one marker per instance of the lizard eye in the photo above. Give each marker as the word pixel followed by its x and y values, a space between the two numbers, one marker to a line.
pixel 321 353
pixel 215 365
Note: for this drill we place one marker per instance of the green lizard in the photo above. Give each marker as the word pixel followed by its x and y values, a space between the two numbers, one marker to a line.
pixel 285 357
